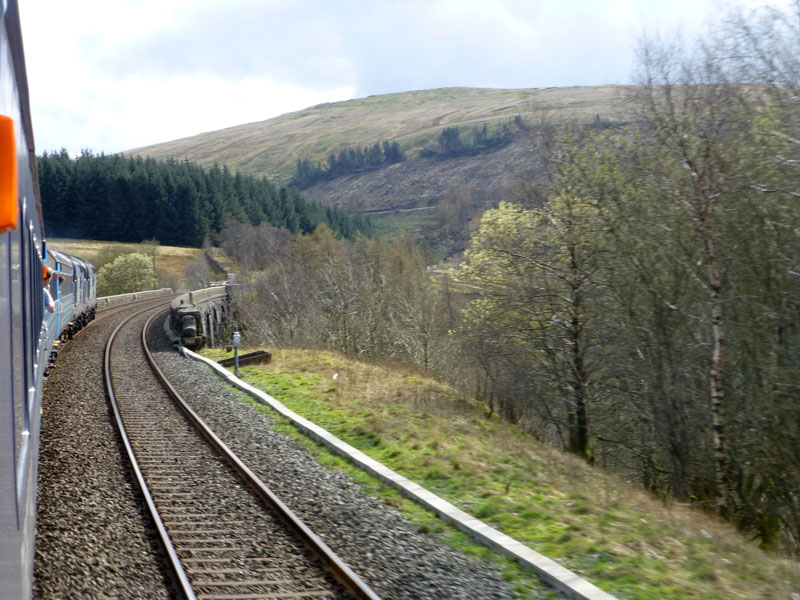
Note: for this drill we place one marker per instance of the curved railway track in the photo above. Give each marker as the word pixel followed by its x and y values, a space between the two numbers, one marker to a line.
pixel 227 535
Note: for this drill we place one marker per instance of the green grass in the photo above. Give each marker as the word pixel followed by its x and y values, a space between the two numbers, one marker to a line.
pixel 402 223
pixel 616 536
pixel 415 224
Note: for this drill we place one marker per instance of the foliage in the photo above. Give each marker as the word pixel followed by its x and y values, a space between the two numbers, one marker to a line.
pixel 373 298
pixel 348 161
pixel 532 271
pixel 125 274
pixel 177 203
pixel 657 292
pixel 480 140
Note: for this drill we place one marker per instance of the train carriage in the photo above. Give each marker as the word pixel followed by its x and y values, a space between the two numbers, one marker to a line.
pixel 23 339
pixel 62 290
pixel 27 330
pixel 74 289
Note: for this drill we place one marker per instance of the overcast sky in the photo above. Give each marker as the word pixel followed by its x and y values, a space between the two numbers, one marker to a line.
pixel 112 75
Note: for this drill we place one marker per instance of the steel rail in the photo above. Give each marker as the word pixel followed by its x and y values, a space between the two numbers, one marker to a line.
pixel 332 563
pixel 182 579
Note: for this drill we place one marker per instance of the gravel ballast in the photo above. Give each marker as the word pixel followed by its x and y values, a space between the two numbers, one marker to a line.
pixel 381 545
pixel 94 539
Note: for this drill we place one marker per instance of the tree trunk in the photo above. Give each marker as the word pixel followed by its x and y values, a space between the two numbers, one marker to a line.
pixel 718 345
pixel 579 423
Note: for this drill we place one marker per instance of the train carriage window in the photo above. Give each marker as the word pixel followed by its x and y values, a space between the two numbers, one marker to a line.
pixel 10 339
pixel 36 298
pixel 26 309
pixel 55 285
pixel 28 313
pixel 69 279
pixel 65 280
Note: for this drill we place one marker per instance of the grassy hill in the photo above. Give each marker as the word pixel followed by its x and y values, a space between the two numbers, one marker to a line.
pixel 271 148
pixel 608 531
pixel 404 197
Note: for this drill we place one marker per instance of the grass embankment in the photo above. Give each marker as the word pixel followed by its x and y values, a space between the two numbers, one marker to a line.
pixel 611 533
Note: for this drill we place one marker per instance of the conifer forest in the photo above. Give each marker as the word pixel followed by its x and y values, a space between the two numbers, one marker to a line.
pixel 178 203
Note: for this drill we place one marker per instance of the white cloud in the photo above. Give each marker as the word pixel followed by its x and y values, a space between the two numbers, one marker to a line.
pixel 183 106
pixel 115 115
pixel 112 75
pixel 78 102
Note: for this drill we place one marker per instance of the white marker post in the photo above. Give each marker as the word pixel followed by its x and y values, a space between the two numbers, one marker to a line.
pixel 237 341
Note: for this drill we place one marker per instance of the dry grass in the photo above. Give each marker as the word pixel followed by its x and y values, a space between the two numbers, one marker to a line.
pixel 414 119
pixel 170 259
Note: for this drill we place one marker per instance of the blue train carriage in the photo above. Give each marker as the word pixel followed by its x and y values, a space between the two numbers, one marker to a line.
pixel 84 278
pixel 74 290
pixel 25 338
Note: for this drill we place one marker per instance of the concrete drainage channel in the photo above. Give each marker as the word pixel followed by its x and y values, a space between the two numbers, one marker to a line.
pixel 560 578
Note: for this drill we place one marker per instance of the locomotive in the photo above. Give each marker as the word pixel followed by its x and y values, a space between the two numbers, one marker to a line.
pixel 29 332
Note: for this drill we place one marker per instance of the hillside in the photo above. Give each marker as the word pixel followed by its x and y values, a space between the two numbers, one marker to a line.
pixel 271 148
pixel 172 259
pixel 411 189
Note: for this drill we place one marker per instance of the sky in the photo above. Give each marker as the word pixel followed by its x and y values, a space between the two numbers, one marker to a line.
pixel 113 75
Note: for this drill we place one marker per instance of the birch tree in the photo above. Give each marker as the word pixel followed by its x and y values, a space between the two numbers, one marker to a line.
pixel 691 110
pixel 531 272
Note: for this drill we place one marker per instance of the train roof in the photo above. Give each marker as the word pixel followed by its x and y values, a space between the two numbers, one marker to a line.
pixel 68 259
pixel 9 10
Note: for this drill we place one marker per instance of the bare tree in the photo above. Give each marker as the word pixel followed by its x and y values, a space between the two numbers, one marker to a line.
pixel 690 108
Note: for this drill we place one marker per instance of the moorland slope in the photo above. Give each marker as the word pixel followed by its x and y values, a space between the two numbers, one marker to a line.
pixel 406 196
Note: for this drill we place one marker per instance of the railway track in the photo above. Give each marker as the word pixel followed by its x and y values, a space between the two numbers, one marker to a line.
pixel 228 537
pixel 114 309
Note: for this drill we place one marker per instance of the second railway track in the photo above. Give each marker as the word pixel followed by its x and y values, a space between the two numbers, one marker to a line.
pixel 225 542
